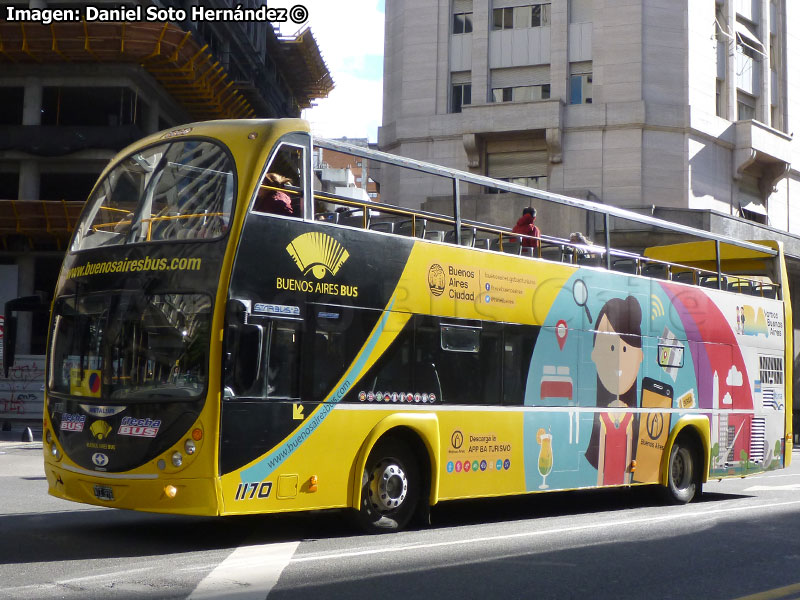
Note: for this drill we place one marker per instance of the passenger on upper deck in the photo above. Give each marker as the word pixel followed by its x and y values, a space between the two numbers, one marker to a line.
pixel 271 200
pixel 525 225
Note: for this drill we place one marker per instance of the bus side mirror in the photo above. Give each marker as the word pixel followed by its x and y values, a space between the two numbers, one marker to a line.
pixel 22 304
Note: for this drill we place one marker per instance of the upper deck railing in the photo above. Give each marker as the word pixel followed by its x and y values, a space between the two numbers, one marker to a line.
pixel 455 229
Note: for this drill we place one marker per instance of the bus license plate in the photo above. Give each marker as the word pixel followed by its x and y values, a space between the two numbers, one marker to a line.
pixel 103 492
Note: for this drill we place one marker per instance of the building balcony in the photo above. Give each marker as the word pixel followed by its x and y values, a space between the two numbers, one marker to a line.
pixel 763 152
pixel 482 122
pixel 509 117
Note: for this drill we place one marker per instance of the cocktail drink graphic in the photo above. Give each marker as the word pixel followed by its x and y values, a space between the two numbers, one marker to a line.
pixel 545 456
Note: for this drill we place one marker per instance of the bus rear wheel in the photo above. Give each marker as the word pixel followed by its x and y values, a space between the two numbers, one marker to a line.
pixel 684 481
pixel 390 488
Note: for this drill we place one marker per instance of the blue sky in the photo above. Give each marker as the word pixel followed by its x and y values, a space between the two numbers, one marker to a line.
pixel 350 37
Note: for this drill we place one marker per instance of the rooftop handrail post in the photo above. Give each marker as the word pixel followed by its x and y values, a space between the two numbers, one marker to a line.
pixel 457 209
pixel 719 265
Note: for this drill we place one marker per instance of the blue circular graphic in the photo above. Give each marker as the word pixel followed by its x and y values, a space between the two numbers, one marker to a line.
pixel 483 465
pixel 450 467
pixel 487 299
pixel 488 287
pixel 499 464
pixel 507 464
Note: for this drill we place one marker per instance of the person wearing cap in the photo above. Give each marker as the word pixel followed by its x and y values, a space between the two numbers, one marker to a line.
pixel 526 225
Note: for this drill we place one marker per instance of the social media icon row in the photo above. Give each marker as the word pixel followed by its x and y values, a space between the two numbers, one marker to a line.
pixel 466 466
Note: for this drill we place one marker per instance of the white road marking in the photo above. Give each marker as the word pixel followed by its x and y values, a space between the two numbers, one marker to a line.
pixel 249 573
pixel 616 524
pixel 767 488
pixel 771 476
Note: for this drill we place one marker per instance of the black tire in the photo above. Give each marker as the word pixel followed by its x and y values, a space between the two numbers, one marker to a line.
pixel 684 477
pixel 390 488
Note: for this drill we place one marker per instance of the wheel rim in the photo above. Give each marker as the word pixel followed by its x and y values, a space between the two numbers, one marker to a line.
pixel 682 469
pixel 388 486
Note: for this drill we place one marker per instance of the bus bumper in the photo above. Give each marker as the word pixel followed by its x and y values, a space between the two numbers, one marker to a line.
pixel 191 496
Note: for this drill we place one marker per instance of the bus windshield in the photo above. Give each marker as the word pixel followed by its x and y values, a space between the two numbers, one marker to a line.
pixel 126 347
pixel 172 191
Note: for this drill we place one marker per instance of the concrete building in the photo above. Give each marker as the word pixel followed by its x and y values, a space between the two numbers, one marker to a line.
pixel 682 109
pixel 72 94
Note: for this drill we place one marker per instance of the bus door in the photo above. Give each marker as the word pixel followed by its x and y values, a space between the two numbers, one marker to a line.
pixel 261 384
pixel 264 322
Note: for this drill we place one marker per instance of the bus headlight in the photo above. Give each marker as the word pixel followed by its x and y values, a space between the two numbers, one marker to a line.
pixel 177 459
pixel 55 452
pixel 49 437
pixel 190 447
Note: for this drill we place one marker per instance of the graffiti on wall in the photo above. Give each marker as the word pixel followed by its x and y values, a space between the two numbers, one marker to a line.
pixel 22 392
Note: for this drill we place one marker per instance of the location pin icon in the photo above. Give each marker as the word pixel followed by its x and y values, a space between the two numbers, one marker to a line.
pixel 561 333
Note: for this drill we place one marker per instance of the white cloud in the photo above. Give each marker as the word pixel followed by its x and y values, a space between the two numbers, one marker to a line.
pixel 734 377
pixel 350 37
pixel 727 399
pixel 352 110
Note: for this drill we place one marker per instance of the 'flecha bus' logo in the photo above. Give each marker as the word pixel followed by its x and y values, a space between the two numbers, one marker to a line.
pixel 317 252
pixel 436 279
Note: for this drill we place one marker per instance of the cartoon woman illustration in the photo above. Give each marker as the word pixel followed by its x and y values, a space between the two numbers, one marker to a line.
pixel 617 354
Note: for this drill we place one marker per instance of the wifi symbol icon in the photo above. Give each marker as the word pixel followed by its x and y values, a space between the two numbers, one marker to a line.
pixel 656 308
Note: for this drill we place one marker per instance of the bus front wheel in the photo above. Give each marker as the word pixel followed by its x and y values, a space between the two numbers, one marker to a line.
pixel 683 473
pixel 390 488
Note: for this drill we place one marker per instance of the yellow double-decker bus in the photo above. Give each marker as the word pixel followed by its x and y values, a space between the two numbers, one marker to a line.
pixel 227 337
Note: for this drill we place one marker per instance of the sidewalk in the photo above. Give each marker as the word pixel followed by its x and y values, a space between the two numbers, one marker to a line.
pixel 17 431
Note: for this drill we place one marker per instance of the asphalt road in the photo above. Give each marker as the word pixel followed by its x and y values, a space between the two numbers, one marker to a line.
pixel 742 539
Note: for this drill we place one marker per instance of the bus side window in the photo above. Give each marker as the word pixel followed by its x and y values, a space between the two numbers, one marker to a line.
pixel 518 343
pixel 283 360
pixel 281 189
pixel 466 360
pixel 338 335
pixel 391 374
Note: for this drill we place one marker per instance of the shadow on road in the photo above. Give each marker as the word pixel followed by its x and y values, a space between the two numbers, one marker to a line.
pixel 107 533
pixel 499 510
pixel 720 559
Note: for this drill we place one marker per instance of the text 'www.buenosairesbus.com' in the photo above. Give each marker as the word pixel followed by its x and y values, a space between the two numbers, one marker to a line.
pixel 296 14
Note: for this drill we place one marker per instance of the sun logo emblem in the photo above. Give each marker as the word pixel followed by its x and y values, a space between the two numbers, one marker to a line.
pixel 100 430
pixel 317 252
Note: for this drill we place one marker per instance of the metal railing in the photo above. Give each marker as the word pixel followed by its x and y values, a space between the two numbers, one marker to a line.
pixel 505 240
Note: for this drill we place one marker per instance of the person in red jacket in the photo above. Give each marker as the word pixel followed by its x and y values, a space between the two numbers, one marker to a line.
pixel 526 226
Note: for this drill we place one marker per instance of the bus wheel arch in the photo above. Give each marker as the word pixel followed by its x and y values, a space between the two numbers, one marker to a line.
pixel 685 462
pixel 395 478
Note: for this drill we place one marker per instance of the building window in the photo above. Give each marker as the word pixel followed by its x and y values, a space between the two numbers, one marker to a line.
pixel 580 89
pixel 521 17
pixel 720 98
pixel 462 23
pixel 462 95
pixel 12 99
pixel 523 93
pixel 745 106
pixel 540 15
pixel 503 18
